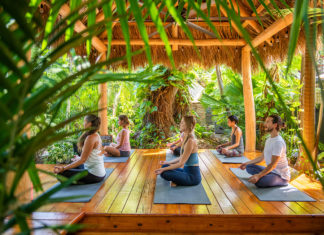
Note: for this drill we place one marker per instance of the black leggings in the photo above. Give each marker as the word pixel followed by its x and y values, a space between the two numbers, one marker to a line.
pixel 88 179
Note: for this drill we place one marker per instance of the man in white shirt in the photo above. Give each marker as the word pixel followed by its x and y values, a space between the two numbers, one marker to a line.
pixel 276 173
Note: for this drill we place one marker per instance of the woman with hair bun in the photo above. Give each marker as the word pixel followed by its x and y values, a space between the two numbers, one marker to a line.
pixel 122 148
pixel 234 148
pixel 90 160
pixel 276 173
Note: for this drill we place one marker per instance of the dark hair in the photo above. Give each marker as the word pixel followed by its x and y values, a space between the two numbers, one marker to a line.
pixel 95 124
pixel 124 119
pixel 233 118
pixel 277 119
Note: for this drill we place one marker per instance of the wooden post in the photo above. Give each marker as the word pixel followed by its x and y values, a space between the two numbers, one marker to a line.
pixel 309 106
pixel 250 124
pixel 175 35
pixel 308 121
pixel 102 104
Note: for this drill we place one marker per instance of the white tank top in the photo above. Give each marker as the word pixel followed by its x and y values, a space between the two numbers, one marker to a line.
pixel 95 163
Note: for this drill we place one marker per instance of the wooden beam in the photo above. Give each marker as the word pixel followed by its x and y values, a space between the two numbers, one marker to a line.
pixel 174 32
pixel 239 8
pixel 200 23
pixel 79 27
pixel 101 16
pixel 261 7
pixel 277 26
pixel 102 104
pixel 250 123
pixel 202 224
pixel 181 42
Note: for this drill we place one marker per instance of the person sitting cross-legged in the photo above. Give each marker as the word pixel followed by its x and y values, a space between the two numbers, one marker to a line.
pixel 234 148
pixel 276 173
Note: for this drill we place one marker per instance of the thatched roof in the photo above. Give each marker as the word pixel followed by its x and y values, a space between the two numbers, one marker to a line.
pixel 185 56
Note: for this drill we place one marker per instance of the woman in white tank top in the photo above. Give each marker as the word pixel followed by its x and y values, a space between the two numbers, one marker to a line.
pixel 90 159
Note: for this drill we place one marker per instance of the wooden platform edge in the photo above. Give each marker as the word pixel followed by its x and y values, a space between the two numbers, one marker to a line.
pixel 95 222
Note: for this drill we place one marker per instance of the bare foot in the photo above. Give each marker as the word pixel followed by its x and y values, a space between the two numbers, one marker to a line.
pixel 172 184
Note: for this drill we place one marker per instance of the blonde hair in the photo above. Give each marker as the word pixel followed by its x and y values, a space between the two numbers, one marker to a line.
pixel 190 123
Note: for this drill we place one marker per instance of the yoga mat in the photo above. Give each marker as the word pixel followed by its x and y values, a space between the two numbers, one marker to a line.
pixel 87 191
pixel 118 159
pixel 170 156
pixel 232 160
pixel 165 194
pixel 281 193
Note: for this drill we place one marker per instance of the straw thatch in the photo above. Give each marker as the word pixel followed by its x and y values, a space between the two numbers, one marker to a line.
pixel 186 56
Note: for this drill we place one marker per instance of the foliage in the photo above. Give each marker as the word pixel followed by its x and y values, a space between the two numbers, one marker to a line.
pixel 266 102
pixel 60 152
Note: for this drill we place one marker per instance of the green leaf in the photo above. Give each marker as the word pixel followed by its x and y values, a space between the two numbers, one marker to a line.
pixel 124 25
pixel 142 28
pixel 159 26
pixel 91 21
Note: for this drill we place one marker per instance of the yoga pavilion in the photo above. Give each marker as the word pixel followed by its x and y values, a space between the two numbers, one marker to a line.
pixel 124 203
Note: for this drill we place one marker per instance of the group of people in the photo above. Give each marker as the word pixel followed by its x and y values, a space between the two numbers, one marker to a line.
pixel 183 170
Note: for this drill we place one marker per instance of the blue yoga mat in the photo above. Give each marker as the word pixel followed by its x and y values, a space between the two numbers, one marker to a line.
pixel 230 160
pixel 86 191
pixel 118 159
pixel 165 194
pixel 283 193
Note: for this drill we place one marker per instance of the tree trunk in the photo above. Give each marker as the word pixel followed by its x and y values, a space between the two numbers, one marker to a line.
pixel 220 81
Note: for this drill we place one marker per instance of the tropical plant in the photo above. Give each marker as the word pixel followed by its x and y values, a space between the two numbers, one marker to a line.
pixel 60 152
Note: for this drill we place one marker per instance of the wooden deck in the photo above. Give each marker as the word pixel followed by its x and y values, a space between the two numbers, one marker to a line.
pixel 130 190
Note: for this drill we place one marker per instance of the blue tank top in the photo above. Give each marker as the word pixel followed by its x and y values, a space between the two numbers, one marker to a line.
pixel 192 160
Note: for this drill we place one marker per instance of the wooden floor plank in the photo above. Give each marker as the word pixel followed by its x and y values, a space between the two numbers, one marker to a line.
pixel 249 198
pixel 146 200
pixel 136 192
pixel 117 184
pixel 157 208
pixel 234 196
pixel 217 191
pixel 126 184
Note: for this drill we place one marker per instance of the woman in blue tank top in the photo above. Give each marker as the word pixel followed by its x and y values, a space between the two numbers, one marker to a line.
pixel 185 169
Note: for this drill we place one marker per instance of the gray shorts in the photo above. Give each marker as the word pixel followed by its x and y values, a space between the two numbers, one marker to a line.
pixel 124 153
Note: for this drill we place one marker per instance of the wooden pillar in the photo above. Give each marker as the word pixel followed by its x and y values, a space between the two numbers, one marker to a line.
pixel 250 124
pixel 102 105
pixel 174 35
pixel 309 102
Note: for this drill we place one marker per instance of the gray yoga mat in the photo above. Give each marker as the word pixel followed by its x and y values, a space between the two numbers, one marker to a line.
pixel 118 159
pixel 165 194
pixel 87 191
pixel 283 193
pixel 170 156
pixel 230 160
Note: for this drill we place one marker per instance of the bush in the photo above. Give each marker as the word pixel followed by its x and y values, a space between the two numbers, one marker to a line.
pixel 60 152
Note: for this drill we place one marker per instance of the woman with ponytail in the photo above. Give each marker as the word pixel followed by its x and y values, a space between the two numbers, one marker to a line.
pixel 122 148
pixel 276 173
pixel 90 160
pixel 190 173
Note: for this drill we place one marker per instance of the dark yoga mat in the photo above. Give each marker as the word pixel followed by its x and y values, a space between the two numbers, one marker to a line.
pixel 230 160
pixel 118 159
pixel 87 191
pixel 281 193
pixel 165 194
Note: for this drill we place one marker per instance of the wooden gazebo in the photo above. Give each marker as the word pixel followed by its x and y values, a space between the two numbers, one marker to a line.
pixel 129 190
pixel 269 38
